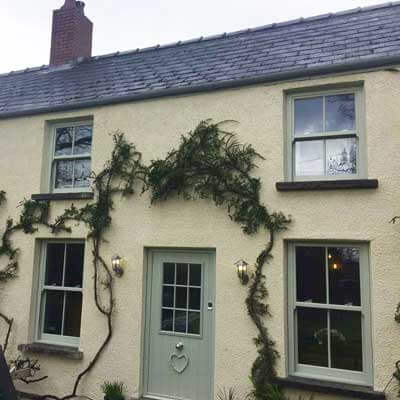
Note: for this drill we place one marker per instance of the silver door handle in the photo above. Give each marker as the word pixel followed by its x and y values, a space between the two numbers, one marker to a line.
pixel 179 346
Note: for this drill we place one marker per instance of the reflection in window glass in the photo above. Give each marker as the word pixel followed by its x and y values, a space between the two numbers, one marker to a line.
pixel 53 312
pixel 83 140
pixel 308 116
pixel 310 274
pixel 346 341
pixel 73 311
pixel 310 158
pixel 54 264
pixel 340 112
pixel 74 265
pixel 344 275
pixel 341 156
pixel 64 174
pixel 82 173
pixel 64 140
pixel 181 298
pixel 312 337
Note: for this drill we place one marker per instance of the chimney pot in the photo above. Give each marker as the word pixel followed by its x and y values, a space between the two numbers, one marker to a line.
pixel 71 34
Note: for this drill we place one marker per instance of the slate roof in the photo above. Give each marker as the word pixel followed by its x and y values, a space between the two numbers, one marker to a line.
pixel 354 39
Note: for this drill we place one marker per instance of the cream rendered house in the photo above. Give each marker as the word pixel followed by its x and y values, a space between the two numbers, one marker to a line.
pixel 319 98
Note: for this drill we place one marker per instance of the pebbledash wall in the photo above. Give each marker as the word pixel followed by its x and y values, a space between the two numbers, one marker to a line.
pixel 155 126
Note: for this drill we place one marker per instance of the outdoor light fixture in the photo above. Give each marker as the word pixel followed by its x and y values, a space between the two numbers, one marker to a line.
pixel 241 267
pixel 116 262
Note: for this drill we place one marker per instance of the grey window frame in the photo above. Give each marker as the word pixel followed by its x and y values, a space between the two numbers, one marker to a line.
pixel 358 133
pixel 40 336
pixel 324 373
pixel 54 158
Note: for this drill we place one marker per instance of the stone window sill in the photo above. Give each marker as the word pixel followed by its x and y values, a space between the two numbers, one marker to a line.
pixel 335 388
pixel 327 185
pixel 63 196
pixel 52 349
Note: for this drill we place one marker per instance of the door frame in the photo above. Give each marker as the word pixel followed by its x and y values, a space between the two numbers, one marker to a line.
pixel 147 289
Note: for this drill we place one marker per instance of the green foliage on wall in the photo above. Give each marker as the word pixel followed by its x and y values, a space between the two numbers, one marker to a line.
pixel 209 163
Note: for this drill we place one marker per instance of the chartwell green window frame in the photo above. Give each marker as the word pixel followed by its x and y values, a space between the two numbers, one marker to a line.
pixel 364 377
pixel 358 134
pixel 53 158
pixel 40 336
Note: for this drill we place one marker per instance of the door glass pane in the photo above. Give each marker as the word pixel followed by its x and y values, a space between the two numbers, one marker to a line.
pixel 54 264
pixel 64 172
pixel 73 312
pixel 181 274
pixel 74 265
pixel 312 337
pixel 167 318
pixel 194 322
pixel 340 112
pixel 195 274
pixel 341 156
pixel 180 321
pixel 308 116
pixel 344 276
pixel 83 140
pixel 64 137
pixel 168 296
pixel 181 297
pixel 310 158
pixel 346 341
pixel 194 298
pixel 53 312
pixel 82 173
pixel 310 274
pixel 169 273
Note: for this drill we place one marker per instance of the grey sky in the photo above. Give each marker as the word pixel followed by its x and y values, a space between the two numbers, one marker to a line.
pixel 25 25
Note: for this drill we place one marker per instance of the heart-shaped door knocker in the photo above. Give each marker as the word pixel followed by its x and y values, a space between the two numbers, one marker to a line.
pixel 179 362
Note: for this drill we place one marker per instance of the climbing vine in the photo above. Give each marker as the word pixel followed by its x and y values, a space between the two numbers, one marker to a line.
pixel 209 163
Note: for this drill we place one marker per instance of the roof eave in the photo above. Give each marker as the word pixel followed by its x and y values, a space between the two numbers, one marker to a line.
pixel 371 63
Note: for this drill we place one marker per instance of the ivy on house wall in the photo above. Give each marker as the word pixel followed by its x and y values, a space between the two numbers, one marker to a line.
pixel 209 163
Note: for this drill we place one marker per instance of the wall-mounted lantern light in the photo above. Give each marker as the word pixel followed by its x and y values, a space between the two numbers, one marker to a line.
pixel 116 263
pixel 243 275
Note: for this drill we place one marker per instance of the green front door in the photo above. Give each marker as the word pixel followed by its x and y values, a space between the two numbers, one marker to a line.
pixel 179 343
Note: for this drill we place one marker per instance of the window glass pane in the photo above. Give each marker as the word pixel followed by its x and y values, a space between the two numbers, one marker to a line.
pixel 83 140
pixel 181 297
pixel 53 312
pixel 180 321
pixel 167 319
pixel 73 312
pixel 64 138
pixel 82 173
pixel 63 171
pixel 341 156
pixel 74 265
pixel 308 116
pixel 340 112
pixel 54 264
pixel 169 273
pixel 310 274
pixel 181 274
pixel 310 158
pixel 194 323
pixel 168 296
pixel 344 275
pixel 346 342
pixel 194 298
pixel 312 337
pixel 195 274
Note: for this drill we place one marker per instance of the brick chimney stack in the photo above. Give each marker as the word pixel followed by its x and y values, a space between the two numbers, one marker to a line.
pixel 71 36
